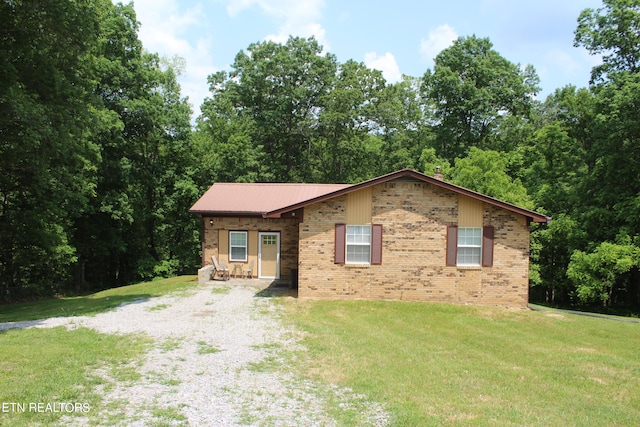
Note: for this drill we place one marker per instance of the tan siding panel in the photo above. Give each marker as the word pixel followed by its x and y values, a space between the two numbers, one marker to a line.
pixel 469 212
pixel 223 249
pixel 359 207
pixel 253 249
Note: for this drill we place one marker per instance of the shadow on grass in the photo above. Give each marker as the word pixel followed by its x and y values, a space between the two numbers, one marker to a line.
pixel 629 318
pixel 278 288
pixel 99 302
pixel 30 313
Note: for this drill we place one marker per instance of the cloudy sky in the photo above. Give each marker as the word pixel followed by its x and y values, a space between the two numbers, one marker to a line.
pixel 397 37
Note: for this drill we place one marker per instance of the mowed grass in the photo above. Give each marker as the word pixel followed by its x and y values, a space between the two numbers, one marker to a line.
pixel 57 366
pixel 437 364
pixel 60 366
pixel 94 303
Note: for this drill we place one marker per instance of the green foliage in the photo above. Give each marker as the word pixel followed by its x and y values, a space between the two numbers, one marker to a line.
pixel 551 249
pixel 473 89
pixel 345 149
pixel 290 113
pixel 613 32
pixel 484 171
pixel 95 152
pixel 430 162
pixel 596 274
pixel 556 168
pixel 403 123
pixel 46 158
pixel 279 87
pixel 613 185
pixel 99 162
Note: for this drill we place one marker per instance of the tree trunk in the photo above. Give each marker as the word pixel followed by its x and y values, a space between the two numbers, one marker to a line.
pixel 80 269
pixel 634 289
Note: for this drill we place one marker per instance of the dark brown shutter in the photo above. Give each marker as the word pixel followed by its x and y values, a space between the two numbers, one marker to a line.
pixel 341 230
pixel 376 244
pixel 487 246
pixel 452 245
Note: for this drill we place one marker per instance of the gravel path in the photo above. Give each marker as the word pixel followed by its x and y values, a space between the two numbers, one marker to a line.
pixel 211 362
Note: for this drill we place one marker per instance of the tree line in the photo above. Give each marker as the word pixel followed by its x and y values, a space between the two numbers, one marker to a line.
pixel 99 161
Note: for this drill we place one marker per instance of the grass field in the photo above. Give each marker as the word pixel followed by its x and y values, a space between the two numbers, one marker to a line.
pixel 435 364
pixel 429 364
pixel 95 303
pixel 60 366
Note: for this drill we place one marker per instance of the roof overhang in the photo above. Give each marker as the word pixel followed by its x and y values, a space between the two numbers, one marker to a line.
pixel 410 173
pixel 243 214
pixel 255 200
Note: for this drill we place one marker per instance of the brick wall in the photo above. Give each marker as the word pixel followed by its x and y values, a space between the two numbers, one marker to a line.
pixel 288 229
pixel 414 216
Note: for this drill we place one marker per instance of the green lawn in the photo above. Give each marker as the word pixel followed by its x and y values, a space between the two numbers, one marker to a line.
pixel 94 303
pixel 436 364
pixel 53 366
pixel 429 364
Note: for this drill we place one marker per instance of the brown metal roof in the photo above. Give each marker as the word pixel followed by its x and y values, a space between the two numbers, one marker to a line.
pixel 251 199
pixel 410 173
pixel 273 200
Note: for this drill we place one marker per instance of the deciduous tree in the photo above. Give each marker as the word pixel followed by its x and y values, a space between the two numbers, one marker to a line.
pixel 47 171
pixel 472 89
pixel 613 32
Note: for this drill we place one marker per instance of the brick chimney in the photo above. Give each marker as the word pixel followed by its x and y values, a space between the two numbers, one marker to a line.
pixel 438 174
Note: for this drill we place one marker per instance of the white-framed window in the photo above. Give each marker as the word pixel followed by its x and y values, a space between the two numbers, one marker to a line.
pixel 469 246
pixel 238 246
pixel 358 244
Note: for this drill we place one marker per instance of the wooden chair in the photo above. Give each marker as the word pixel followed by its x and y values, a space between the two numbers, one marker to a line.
pixel 220 269
pixel 248 272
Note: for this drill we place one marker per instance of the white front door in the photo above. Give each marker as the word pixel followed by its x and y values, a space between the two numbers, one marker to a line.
pixel 268 255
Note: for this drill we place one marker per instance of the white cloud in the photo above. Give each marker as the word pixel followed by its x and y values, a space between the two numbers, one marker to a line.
pixel 385 63
pixel 299 29
pixel 163 24
pixel 295 17
pixel 236 6
pixel 559 67
pixel 440 38
pixel 561 60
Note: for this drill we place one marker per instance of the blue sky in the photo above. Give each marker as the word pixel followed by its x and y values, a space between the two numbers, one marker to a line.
pixel 398 37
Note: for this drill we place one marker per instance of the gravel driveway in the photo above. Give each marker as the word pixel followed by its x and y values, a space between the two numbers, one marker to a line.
pixel 211 363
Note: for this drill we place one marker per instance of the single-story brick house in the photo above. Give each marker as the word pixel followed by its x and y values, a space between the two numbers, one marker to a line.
pixel 401 236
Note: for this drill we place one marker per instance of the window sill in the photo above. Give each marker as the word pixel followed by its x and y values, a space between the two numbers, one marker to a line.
pixel 469 267
pixel 357 265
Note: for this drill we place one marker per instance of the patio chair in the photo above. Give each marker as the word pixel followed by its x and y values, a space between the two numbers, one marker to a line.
pixel 220 268
pixel 248 272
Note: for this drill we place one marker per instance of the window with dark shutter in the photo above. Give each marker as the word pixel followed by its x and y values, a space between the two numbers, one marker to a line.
pixel 376 244
pixel 452 245
pixel 339 247
pixel 487 246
